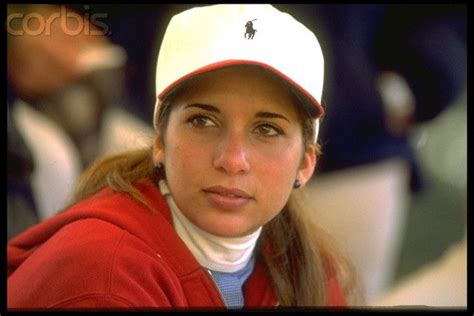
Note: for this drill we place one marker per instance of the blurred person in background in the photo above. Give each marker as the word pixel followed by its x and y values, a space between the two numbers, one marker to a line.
pixel 64 76
pixel 441 281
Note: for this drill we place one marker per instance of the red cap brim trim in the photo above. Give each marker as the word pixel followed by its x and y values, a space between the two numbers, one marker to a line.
pixel 233 62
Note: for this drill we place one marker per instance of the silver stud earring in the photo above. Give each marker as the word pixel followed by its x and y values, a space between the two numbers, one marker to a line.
pixel 297 184
pixel 160 171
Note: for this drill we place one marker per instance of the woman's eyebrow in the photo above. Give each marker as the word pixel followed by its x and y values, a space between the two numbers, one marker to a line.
pixel 271 115
pixel 212 108
pixel 206 107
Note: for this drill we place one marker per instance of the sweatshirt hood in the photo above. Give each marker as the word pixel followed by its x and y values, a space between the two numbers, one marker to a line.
pixel 153 226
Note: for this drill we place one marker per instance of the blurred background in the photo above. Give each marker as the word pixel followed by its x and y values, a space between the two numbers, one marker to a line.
pixel 390 186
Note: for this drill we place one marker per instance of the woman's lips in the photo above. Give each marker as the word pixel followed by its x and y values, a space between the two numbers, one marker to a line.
pixel 227 198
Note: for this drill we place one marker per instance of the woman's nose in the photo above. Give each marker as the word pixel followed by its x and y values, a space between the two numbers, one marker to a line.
pixel 231 154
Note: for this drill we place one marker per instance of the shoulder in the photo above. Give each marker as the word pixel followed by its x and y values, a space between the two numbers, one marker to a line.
pixel 73 262
pixel 88 263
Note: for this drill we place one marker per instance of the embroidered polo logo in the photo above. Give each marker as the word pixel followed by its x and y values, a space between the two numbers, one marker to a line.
pixel 249 30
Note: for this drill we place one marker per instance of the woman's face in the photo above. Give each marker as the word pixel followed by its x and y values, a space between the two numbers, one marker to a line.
pixel 232 150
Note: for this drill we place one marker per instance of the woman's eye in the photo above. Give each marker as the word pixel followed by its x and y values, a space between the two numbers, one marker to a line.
pixel 268 130
pixel 201 121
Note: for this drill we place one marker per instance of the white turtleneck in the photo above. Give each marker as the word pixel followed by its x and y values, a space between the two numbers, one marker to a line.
pixel 224 254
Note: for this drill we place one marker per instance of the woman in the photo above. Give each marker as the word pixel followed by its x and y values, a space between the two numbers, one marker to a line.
pixel 205 217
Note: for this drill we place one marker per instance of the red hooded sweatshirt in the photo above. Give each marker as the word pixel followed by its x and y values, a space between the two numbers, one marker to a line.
pixel 111 252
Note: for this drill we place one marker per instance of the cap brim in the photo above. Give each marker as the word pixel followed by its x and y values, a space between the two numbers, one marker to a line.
pixel 313 106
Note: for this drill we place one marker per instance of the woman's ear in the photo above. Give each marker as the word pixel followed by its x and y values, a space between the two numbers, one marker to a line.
pixel 158 150
pixel 308 163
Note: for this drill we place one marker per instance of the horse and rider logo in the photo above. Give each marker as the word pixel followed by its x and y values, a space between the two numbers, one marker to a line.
pixel 249 30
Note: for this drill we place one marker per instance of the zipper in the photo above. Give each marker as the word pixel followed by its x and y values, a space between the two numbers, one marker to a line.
pixel 217 288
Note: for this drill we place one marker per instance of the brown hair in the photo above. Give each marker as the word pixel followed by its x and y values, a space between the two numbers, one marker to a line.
pixel 298 254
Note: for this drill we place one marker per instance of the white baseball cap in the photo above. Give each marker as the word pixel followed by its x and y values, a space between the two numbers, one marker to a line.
pixel 207 38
